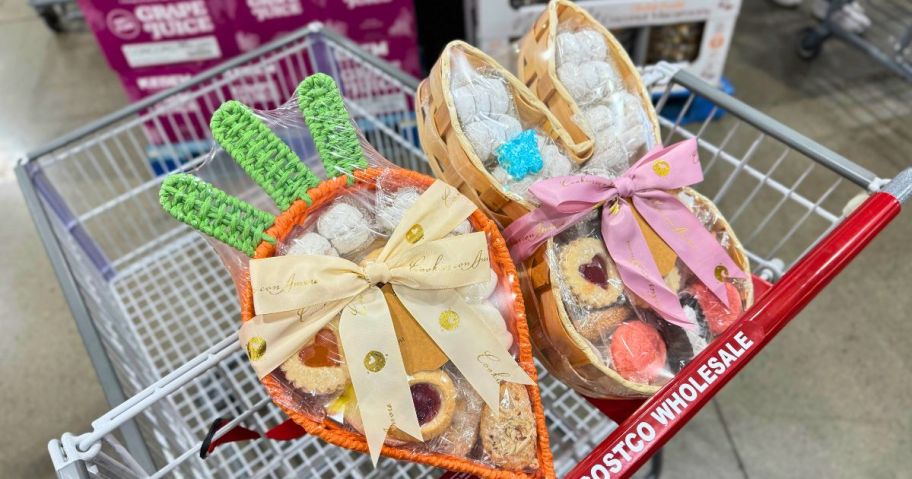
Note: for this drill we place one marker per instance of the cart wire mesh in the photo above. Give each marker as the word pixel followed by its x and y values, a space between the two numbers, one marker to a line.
pixel 165 310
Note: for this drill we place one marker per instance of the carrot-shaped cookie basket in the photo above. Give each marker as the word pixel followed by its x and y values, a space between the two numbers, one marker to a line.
pixel 380 308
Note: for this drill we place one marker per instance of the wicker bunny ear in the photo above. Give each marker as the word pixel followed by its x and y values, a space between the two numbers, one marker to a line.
pixel 262 154
pixel 330 125
pixel 215 213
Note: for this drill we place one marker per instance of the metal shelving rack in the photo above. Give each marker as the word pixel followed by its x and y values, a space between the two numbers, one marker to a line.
pixel 93 196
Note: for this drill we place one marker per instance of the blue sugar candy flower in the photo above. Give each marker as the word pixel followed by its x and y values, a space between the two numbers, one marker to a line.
pixel 519 156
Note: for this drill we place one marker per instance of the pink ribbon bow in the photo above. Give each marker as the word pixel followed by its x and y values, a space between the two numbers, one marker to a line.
pixel 566 200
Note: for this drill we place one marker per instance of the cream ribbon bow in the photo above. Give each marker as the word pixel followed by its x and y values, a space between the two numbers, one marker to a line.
pixel 297 296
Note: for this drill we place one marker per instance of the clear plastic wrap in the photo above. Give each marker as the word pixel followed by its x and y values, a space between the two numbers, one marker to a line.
pixel 352 217
pixel 610 109
pixel 592 334
pixel 354 226
pixel 514 148
pixel 621 331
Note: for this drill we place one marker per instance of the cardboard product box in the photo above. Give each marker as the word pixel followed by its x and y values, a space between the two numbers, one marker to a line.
pixel 184 121
pixel 176 130
pixel 135 34
pixel 145 34
pixel 695 34
pixel 385 28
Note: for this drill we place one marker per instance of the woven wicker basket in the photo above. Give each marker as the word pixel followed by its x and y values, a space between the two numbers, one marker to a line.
pixel 564 351
pixel 335 433
pixel 449 151
pixel 561 348
pixel 538 70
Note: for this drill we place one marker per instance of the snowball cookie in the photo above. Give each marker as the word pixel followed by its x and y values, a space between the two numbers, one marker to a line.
pixel 468 104
pixel 599 78
pixel 478 292
pixel 598 119
pixel 495 90
pixel 555 163
pixel 592 44
pixel 393 207
pixel 630 120
pixel 346 227
pixel 484 135
pixel 569 49
pixel 569 75
pixel 508 123
pixel 310 243
pixel 610 157
pixel 495 322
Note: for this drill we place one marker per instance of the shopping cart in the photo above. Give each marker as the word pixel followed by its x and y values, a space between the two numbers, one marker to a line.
pixel 160 326
pixel 888 40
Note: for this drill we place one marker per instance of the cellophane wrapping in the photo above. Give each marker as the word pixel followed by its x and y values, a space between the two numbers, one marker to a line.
pixel 615 334
pixel 611 110
pixel 354 222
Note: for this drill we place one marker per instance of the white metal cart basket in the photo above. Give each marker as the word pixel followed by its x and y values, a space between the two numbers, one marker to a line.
pixel 94 198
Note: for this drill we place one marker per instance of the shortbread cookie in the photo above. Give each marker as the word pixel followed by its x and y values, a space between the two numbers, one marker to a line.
pixel 588 269
pixel 599 323
pixel 509 438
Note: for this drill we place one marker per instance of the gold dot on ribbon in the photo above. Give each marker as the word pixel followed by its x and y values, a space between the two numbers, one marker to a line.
pixel 256 348
pixel 414 234
pixel 449 320
pixel 661 167
pixel 374 361
pixel 615 207
pixel 721 273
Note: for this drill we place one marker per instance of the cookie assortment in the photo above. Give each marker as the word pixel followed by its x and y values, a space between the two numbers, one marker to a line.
pixel 589 329
pixel 620 334
pixel 452 417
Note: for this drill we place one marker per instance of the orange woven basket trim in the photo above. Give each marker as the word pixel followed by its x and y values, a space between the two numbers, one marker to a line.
pixel 337 434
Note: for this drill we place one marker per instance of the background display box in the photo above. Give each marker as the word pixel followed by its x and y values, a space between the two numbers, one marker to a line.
pixel 695 34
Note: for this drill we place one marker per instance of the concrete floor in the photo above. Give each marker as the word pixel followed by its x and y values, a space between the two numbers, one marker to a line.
pixel 829 398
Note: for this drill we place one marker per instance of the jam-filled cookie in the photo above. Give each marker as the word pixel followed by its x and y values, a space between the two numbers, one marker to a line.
pixel 598 324
pixel 638 352
pixel 318 368
pixel 434 396
pixel 509 438
pixel 589 272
